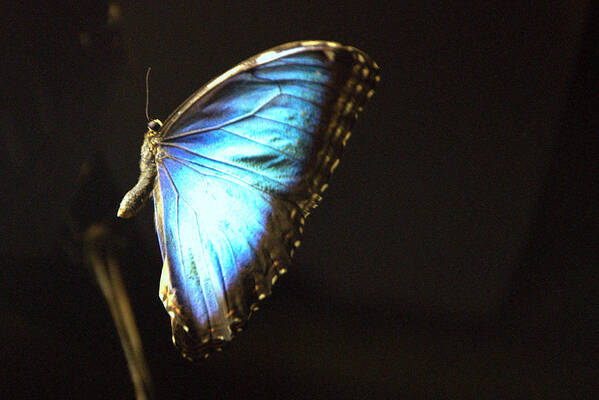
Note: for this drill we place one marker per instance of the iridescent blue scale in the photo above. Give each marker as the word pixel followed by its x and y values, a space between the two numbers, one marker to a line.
pixel 236 169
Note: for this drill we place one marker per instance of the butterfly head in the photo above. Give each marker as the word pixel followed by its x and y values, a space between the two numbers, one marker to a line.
pixel 154 127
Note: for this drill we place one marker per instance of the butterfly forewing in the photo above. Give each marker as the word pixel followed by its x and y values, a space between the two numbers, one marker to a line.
pixel 240 165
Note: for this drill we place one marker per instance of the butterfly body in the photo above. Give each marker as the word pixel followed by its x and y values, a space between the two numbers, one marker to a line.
pixel 235 170
pixel 136 197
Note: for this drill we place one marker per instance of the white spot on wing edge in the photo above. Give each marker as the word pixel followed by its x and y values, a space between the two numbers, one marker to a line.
pixel 346 138
pixel 348 107
pixel 310 43
pixel 267 57
pixel 335 164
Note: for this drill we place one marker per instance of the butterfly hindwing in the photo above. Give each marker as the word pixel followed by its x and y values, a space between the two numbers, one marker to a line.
pixel 240 164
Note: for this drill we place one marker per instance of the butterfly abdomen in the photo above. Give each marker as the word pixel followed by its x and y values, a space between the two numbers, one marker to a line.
pixel 135 198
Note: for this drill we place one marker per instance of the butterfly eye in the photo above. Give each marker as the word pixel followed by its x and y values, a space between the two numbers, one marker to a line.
pixel 154 125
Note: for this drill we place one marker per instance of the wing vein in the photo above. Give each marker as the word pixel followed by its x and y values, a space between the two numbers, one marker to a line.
pixel 273 64
pixel 262 144
pixel 205 302
pixel 226 177
pixel 222 275
pixel 224 163
pixel 304 100
pixel 300 82
pixel 220 270
pixel 297 80
pixel 221 125
pixel 307 132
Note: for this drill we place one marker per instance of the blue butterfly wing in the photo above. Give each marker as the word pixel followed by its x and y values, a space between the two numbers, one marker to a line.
pixel 240 165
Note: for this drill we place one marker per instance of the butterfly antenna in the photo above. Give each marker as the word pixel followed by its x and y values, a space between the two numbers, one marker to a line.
pixel 148 92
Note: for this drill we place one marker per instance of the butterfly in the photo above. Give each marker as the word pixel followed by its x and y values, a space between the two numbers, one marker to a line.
pixel 234 172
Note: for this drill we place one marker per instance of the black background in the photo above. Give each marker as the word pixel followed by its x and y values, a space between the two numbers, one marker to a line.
pixel 454 256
